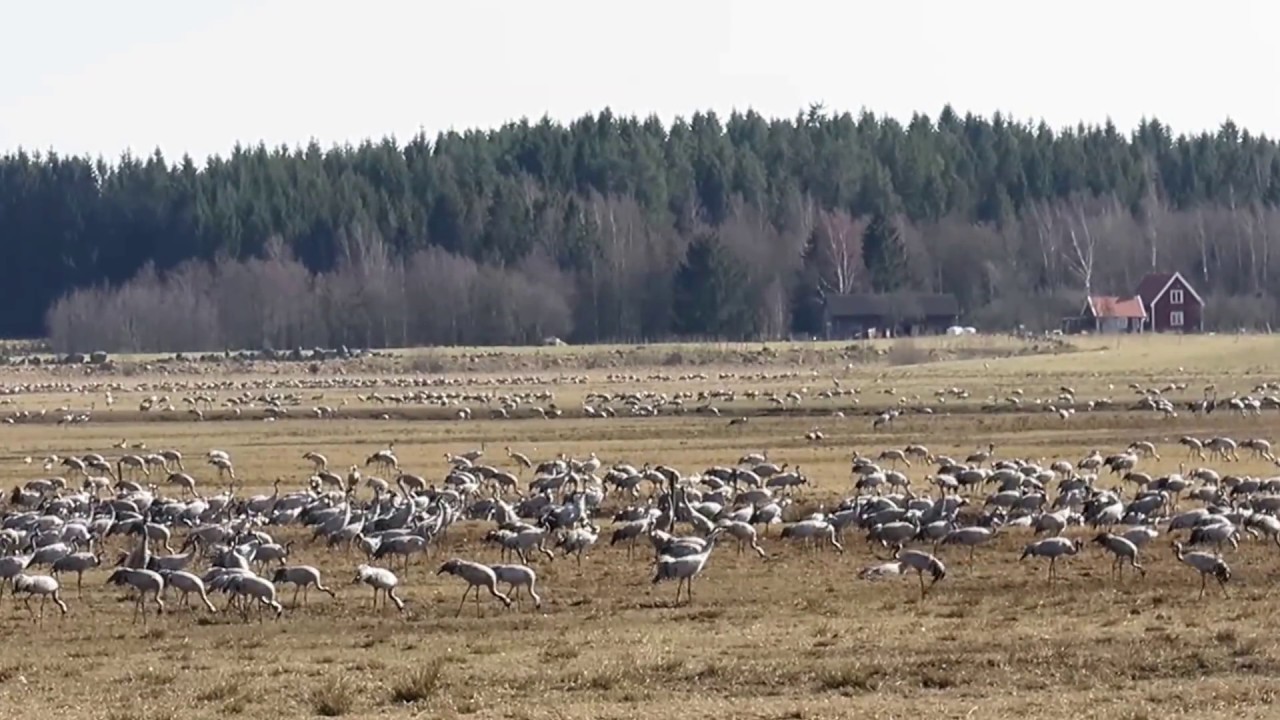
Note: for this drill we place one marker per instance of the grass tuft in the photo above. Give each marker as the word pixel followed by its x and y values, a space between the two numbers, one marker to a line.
pixel 421 683
pixel 334 697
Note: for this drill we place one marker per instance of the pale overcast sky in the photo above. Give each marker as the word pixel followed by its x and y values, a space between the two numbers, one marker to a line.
pixel 88 76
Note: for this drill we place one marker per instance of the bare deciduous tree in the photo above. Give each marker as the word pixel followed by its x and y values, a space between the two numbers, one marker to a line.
pixel 838 245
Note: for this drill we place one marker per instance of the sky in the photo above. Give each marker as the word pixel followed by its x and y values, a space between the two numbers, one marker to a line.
pixel 99 78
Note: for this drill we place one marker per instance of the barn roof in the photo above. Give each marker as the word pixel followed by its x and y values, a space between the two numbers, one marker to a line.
pixel 886 305
pixel 1110 306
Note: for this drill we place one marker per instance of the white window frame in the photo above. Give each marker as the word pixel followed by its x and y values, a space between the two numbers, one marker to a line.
pixel 1175 297
pixel 1176 318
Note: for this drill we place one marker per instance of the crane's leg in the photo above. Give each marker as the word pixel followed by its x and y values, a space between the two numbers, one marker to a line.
pixel 478 599
pixel 1204 579
pixel 920 574
pixel 1223 585
pixel 464 600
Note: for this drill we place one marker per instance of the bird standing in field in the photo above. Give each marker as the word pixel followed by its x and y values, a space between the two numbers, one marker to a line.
pixel 905 561
pixel 381 580
pixel 477 576
pixel 44 586
pixel 1124 551
pixel 1052 548
pixel 1206 564
pixel 685 568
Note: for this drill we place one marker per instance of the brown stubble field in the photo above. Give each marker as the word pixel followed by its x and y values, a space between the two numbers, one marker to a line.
pixel 797 636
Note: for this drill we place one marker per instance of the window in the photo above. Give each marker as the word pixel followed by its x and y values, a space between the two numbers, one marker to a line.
pixel 1175 319
pixel 1175 297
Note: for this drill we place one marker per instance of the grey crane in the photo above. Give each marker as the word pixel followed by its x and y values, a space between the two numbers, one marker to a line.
pixel 1052 548
pixel 302 577
pixel 1206 564
pixel 517 576
pixel 146 582
pixel 44 586
pixel 76 563
pixel 684 569
pixel 1124 551
pixel 477 576
pixel 381 580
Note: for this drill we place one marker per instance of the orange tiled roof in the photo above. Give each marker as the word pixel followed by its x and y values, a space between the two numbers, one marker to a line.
pixel 1107 306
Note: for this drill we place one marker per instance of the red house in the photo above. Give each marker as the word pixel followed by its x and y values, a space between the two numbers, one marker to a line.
pixel 1171 303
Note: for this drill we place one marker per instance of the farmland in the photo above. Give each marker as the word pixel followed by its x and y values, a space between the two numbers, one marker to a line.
pixel 793 636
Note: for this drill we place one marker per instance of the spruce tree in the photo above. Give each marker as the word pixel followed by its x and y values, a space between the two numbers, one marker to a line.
pixel 884 254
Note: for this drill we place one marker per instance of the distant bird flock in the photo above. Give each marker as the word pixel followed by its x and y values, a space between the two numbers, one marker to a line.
pixel 272 399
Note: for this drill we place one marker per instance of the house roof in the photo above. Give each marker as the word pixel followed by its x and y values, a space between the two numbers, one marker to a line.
pixel 1109 306
pixel 1155 285
pixel 904 305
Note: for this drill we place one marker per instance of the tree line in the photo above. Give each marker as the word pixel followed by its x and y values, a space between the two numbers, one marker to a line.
pixel 626 228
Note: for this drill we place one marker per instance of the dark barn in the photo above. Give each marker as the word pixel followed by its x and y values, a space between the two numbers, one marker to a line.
pixel 889 315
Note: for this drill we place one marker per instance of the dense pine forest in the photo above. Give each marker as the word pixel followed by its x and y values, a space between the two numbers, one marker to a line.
pixel 623 228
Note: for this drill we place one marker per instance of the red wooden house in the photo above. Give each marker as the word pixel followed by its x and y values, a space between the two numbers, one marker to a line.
pixel 1171 303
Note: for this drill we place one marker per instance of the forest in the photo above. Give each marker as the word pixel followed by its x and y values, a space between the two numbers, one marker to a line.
pixel 614 228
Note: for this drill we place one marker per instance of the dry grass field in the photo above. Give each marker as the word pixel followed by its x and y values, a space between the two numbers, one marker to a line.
pixel 793 636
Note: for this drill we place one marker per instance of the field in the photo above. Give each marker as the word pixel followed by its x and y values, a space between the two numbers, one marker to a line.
pixel 795 636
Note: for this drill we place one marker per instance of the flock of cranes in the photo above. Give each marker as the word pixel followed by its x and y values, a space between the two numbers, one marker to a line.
pixel 543 397
pixel 508 520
